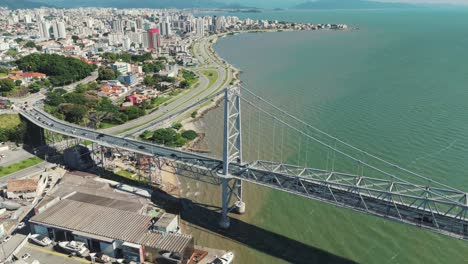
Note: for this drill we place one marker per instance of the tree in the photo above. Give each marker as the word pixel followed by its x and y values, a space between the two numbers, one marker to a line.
pixel 134 112
pixel 75 38
pixel 60 69
pixel 177 126
pixel 168 137
pixel 6 85
pixel 18 82
pixel 189 135
pixel 55 97
pixel 194 114
pixel 149 81
pixel 73 113
pixel 30 44
pixel 107 74
pixel 34 87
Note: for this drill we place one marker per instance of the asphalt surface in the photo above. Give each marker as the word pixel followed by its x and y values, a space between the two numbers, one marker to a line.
pixel 207 61
pixel 42 119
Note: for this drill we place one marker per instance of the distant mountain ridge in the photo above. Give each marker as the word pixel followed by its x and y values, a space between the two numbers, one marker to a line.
pixel 141 3
pixel 21 4
pixel 349 4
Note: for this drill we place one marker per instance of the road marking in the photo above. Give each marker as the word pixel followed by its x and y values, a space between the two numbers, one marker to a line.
pixel 48 251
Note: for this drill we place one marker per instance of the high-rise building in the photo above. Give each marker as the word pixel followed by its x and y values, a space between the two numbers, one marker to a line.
pixel 117 26
pixel 58 30
pixel 44 30
pixel 200 26
pixel 152 40
pixel 165 26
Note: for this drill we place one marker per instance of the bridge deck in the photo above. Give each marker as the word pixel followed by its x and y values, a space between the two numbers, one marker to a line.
pixel 440 210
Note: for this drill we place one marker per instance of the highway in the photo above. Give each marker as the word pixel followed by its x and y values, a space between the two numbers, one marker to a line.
pixel 203 90
pixel 388 199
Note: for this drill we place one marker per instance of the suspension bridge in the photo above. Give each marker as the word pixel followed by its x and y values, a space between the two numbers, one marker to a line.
pixel 378 187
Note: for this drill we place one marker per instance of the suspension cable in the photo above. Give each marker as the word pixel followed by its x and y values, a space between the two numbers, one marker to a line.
pixel 351 157
pixel 347 144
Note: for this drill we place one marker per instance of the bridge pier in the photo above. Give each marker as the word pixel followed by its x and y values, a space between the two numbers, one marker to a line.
pixel 232 153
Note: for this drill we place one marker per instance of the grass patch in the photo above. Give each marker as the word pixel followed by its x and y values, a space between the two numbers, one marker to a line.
pixel 9 120
pixel 19 166
pixel 125 174
pixel 212 76
pixel 2 74
pixel 106 125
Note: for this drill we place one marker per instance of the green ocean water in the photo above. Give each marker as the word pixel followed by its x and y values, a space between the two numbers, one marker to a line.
pixel 397 87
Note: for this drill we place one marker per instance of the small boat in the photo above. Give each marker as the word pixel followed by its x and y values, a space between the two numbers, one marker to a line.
pixel 225 259
pixel 40 240
pixel 99 257
pixel 74 247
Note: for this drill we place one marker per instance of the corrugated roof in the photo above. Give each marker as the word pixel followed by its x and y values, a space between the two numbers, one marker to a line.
pixel 167 241
pixel 97 220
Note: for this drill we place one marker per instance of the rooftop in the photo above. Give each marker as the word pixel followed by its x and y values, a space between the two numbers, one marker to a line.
pixel 28 185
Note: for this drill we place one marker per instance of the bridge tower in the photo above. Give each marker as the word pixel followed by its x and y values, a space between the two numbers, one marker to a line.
pixel 232 153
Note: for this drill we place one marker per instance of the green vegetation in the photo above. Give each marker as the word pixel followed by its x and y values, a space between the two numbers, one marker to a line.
pixel 154 80
pixel 60 69
pixel 84 106
pixel 106 125
pixel 106 73
pixel 190 78
pixel 31 44
pixel 177 126
pixel 194 114
pixel 12 128
pixel 212 76
pixel 126 57
pixel 7 85
pixel 153 67
pixel 169 137
pixel 19 166
pixel 12 52
pixel 125 174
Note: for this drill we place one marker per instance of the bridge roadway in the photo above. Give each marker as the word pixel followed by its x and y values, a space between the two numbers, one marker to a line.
pixel 440 210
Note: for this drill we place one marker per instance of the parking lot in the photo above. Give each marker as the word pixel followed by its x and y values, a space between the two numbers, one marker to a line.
pixel 46 255
pixel 14 156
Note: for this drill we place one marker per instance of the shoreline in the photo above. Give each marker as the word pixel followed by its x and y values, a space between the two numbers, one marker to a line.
pixel 188 122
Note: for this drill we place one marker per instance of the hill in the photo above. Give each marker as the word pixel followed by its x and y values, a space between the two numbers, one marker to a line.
pixel 21 4
pixel 349 4
pixel 136 4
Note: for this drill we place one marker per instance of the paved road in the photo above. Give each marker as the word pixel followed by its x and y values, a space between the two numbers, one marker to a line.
pixel 31 171
pixel 204 90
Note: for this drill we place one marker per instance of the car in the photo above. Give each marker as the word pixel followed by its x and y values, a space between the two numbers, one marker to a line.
pixel 141 147
pixel 26 256
pixel 6 238
pixel 21 225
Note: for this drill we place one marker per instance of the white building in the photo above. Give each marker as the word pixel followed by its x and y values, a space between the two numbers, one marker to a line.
pixel 44 28
pixel 200 26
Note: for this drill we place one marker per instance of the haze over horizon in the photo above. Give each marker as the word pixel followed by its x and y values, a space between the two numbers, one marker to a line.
pixel 290 3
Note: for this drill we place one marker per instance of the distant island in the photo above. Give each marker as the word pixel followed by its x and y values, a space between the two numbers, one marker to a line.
pixel 349 4
pixel 21 4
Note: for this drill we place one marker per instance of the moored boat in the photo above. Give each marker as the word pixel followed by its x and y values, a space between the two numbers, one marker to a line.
pixel 74 247
pixel 40 240
pixel 225 259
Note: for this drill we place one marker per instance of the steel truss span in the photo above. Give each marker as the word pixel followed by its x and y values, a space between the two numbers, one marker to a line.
pixel 439 209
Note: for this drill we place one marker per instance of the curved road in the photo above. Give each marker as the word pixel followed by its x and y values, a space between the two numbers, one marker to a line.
pixel 208 61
